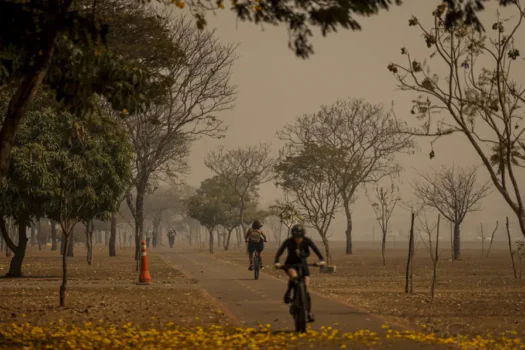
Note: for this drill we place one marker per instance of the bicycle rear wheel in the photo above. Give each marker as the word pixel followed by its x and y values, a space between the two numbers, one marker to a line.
pixel 256 265
pixel 300 314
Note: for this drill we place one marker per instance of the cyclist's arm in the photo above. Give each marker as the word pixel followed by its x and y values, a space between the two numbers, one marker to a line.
pixel 264 236
pixel 246 235
pixel 316 250
pixel 280 252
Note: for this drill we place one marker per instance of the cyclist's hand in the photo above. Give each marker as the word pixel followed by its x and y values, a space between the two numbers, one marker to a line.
pixel 321 263
pixel 277 265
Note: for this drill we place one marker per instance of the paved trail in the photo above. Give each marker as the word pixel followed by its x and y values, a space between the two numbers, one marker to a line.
pixel 251 302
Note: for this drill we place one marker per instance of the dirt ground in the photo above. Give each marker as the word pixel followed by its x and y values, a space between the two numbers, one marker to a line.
pixel 104 292
pixel 474 296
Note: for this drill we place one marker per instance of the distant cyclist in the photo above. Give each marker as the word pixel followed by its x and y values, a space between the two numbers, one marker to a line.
pixel 298 247
pixel 255 238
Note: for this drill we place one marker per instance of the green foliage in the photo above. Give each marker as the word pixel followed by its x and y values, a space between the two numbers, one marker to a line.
pixel 207 205
pixel 216 203
pixel 31 181
pixel 315 192
pixel 81 65
pixel 299 17
pixel 57 157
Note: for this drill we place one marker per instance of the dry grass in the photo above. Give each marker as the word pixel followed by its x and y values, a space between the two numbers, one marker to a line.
pixel 105 291
pixel 474 296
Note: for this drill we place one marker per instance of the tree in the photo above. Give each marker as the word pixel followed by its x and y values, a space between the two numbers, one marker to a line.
pixel 429 229
pixel 384 204
pixel 58 45
pixel 30 180
pixel 198 86
pixel 275 225
pixel 355 141
pixel 481 102
pixel 92 167
pixel 315 193
pixel 244 169
pixel 207 206
pixel 166 202
pixel 287 213
pixel 454 192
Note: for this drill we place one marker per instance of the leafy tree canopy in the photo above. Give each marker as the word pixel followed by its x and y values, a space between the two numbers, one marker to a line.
pixel 217 203
pixel 91 168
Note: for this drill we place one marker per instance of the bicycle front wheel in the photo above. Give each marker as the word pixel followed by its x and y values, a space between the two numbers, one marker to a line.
pixel 256 266
pixel 300 316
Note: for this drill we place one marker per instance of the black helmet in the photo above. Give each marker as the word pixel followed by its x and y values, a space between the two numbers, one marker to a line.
pixel 298 231
pixel 256 225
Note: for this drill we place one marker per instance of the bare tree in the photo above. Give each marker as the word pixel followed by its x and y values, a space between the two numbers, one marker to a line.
pixel 315 194
pixel 287 213
pixel 409 283
pixel 429 229
pixel 454 192
pixel 275 225
pixel 492 238
pixel 356 141
pixel 479 95
pixel 199 86
pixel 244 169
pixel 511 251
pixel 384 203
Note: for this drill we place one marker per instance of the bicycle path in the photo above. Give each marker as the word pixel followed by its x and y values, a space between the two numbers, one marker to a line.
pixel 250 302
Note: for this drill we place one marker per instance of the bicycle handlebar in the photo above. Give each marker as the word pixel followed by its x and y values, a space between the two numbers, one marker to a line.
pixel 292 266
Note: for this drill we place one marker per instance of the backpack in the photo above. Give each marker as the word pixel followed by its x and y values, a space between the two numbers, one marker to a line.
pixel 254 235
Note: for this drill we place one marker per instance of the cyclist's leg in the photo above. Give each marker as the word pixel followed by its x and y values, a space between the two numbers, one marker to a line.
pixel 292 274
pixel 251 250
pixel 307 284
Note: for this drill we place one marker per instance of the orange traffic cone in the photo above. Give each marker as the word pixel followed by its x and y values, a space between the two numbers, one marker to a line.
pixel 145 277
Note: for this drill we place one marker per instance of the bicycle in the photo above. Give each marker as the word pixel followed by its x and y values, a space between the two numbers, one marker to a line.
pixel 256 263
pixel 299 303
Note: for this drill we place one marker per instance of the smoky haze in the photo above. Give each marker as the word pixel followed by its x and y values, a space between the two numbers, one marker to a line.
pixel 275 87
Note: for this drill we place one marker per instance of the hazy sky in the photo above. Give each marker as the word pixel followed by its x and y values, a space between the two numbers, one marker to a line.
pixel 275 87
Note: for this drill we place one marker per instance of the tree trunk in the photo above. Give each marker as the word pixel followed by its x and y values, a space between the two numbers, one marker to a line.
pixel 70 244
pixel 239 236
pixel 211 241
pixel 348 232
pixel 383 247
pixel 326 247
pixel 139 218
pixel 39 236
pixel 227 241
pixel 64 273
pixel 492 238
pixel 409 286
pixel 457 241
pixel 89 242
pixel 33 235
pixel 15 267
pixel 435 261
pixel 521 221
pixel 113 237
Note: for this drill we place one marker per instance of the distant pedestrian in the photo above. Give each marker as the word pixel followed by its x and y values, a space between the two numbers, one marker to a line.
pixel 154 239
pixel 171 237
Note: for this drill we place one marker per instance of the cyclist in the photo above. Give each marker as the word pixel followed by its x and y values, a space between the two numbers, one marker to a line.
pixel 255 238
pixel 298 247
